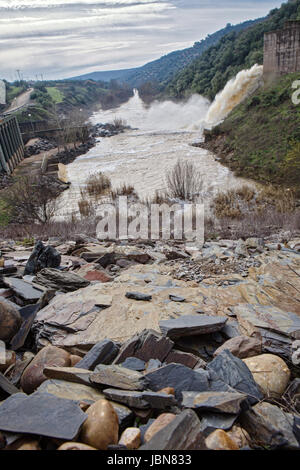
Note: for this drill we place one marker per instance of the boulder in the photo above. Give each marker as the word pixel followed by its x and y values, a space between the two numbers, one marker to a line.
pixel 241 347
pixel 271 373
pixel 25 291
pixel 182 433
pixel 239 436
pixel 25 443
pixel 42 257
pixel 131 438
pixel 220 440
pixel 33 375
pixel 162 421
pixel 60 280
pixel 10 321
pixel 101 428
pixel 189 325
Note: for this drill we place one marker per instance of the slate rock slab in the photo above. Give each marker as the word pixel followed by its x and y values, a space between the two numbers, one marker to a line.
pixel 183 433
pixel 61 281
pixel 23 289
pixel 10 320
pixel 118 377
pixel 234 372
pixel 28 315
pixel 139 296
pixel 41 414
pixel 210 422
pixel 145 346
pixel 180 357
pixel 134 363
pixel 222 402
pixel 180 377
pixel 133 399
pixel 103 352
pixel 70 374
pixel 189 325
pixel 42 257
pixel 6 386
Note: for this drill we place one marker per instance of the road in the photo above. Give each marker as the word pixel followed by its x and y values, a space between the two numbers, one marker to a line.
pixel 20 101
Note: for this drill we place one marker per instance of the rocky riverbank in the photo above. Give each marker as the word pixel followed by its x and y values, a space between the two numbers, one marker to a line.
pixel 150 345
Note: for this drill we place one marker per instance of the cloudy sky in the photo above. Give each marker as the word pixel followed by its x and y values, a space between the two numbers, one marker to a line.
pixel 63 38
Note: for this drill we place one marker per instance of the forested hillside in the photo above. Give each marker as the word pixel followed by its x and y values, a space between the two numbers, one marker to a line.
pixel 235 51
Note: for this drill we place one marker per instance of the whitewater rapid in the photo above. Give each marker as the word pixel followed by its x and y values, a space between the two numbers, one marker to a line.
pixel 142 157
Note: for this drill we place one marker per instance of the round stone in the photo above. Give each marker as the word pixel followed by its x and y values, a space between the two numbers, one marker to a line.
pixel 220 440
pixel 10 321
pixel 131 438
pixel 101 428
pixel 271 373
pixel 161 422
pixel 75 446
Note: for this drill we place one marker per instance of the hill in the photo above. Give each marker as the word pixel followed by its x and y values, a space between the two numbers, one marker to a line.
pixel 260 139
pixel 235 51
pixel 166 67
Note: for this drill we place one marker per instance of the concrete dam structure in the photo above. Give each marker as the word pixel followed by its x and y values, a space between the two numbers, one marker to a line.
pixel 11 145
pixel 282 50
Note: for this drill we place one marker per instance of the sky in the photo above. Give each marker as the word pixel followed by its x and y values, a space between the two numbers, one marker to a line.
pixel 56 39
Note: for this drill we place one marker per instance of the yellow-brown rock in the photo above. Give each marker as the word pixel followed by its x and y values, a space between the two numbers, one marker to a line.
pixel 220 440
pixel 131 438
pixel 101 429
pixel 239 436
pixel 167 391
pixel 74 359
pixel 10 359
pixel 33 375
pixel 161 422
pixel 25 443
pixel 75 446
pixel 271 373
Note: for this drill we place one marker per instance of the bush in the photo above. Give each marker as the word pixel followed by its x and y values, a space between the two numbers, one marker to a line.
pixel 184 181
pixel 97 185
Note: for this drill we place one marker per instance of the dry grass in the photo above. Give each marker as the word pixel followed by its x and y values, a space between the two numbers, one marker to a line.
pixel 184 181
pixel 86 208
pixel 283 200
pixel 124 190
pixel 226 205
pixel 119 123
pixel 97 185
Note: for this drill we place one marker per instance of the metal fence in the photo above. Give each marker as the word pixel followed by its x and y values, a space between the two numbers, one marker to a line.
pixel 11 144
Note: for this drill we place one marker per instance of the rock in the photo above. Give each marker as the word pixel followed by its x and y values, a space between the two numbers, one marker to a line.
pixel 167 391
pixel 239 436
pixel 25 443
pixel 133 363
pixel 269 426
pixel 153 364
pixel 101 428
pixel 70 374
pixel 255 243
pixel 138 296
pixel 241 347
pixel 103 352
pixel 172 437
pixel 296 428
pixel 41 414
pixel 91 272
pixel 24 290
pixel 146 346
pixel 220 402
pixel 10 360
pixel 6 387
pixel 268 318
pixel 71 391
pixel 210 422
pixel 292 395
pixel 162 421
pixel 180 377
pixel 133 399
pixel 28 315
pixel 277 344
pixel 74 360
pixel 60 280
pixel 174 298
pixel 271 374
pixel 42 257
pixel 202 346
pixel 190 325
pixel 33 375
pixel 75 446
pixel 220 440
pixel 10 321
pixel 241 249
pixel 131 438
pixel 180 357
pixel 118 377
pixel 234 372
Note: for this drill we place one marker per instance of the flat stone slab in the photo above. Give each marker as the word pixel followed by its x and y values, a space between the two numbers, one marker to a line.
pixel 180 377
pixel 228 403
pixel 41 414
pixel 71 390
pixel 138 296
pixel 269 318
pixel 60 280
pixel 23 289
pixel 133 399
pixel 6 386
pixel 70 374
pixel 103 352
pixel 189 325
pixel 118 377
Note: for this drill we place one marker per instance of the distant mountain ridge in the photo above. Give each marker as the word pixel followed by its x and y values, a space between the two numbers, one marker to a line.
pixel 165 68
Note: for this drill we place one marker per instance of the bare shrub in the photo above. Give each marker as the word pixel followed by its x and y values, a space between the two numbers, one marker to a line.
pixel 184 181
pixel 284 200
pixel 124 190
pixel 32 199
pixel 86 208
pixel 97 185
pixel 226 205
pixel 119 123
